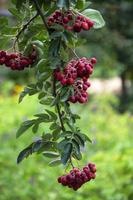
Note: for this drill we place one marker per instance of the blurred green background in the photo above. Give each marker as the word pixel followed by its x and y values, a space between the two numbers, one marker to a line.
pixel 107 119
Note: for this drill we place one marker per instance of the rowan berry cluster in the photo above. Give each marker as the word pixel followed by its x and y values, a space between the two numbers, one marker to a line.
pixel 76 178
pixel 76 73
pixel 17 61
pixel 70 21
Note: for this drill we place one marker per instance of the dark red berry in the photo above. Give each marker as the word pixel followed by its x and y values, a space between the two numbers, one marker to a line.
pixel 77 27
pixel 93 60
pixel 65 20
pixel 85 26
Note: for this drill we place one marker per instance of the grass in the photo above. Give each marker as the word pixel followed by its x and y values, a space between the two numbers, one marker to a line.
pixel 33 179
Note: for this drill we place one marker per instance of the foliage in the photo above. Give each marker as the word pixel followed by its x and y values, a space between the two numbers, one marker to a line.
pixel 32 179
pixel 46 48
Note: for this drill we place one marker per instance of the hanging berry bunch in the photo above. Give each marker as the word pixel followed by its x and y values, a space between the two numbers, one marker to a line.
pixel 17 61
pixel 45 40
pixel 70 21
pixel 76 73
pixel 76 178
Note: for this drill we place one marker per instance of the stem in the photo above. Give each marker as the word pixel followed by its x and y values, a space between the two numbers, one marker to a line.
pixel 57 105
pixel 71 162
pixel 73 51
pixel 54 81
pixel 41 14
pixel 22 30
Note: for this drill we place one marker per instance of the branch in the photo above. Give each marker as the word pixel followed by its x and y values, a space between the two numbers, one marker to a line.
pixel 22 30
pixel 57 106
pixel 41 14
pixel 54 81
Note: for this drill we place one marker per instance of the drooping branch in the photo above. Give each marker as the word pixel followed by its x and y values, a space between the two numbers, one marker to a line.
pixel 54 81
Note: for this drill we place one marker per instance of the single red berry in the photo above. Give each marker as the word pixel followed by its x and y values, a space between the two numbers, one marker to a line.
pixel 77 27
pixel 72 99
pixel 13 55
pixel 2 60
pixel 24 63
pixel 70 16
pixel 70 81
pixel 59 179
pixel 85 26
pixel 65 20
pixel 82 100
pixel 3 53
pixel 63 180
pixel 85 87
pixel 58 13
pixel 63 81
pixel 93 60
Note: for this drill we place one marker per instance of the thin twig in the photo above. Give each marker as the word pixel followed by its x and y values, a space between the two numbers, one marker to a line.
pixel 57 105
pixel 73 51
pixel 22 30
pixel 71 162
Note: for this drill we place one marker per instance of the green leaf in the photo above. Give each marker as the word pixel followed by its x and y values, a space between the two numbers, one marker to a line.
pixel 32 148
pixel 80 139
pixel 41 65
pixel 95 16
pixel 24 154
pixel 19 3
pixel 35 128
pixel 61 145
pixel 52 114
pixel 47 137
pixel 65 155
pixel 36 146
pixel 80 4
pixel 87 138
pixel 55 162
pixel 50 154
pixel 24 127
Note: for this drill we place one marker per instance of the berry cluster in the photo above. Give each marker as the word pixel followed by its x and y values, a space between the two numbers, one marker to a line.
pixel 76 178
pixel 17 61
pixel 80 92
pixel 76 73
pixel 69 21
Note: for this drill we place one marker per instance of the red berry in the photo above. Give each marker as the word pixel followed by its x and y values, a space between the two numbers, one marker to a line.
pixel 70 81
pixel 59 179
pixel 77 27
pixel 93 60
pixel 64 181
pixel 90 23
pixel 13 55
pixel 72 99
pixel 63 81
pixel 24 63
pixel 70 16
pixel 3 53
pixel 85 26
pixel 2 60
pixel 82 100
pixel 65 20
